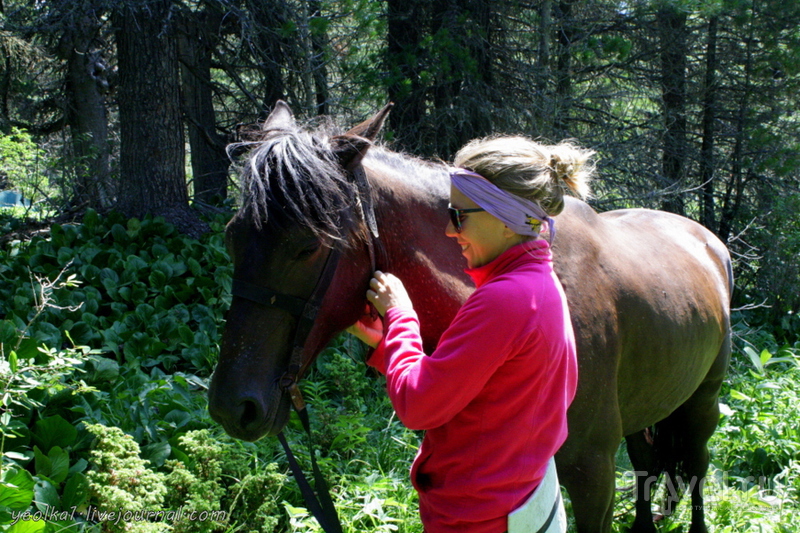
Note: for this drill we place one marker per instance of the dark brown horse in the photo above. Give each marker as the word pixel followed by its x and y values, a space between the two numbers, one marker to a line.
pixel 648 293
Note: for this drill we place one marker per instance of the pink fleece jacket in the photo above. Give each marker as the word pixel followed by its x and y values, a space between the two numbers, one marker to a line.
pixel 493 396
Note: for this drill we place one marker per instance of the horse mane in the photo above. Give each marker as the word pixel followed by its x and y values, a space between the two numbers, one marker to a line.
pixel 292 177
pixel 417 173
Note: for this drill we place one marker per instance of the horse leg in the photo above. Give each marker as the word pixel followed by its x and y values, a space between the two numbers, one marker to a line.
pixel 698 419
pixel 688 429
pixel 640 451
pixel 587 471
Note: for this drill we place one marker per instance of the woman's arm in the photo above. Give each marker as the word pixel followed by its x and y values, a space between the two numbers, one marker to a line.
pixel 428 391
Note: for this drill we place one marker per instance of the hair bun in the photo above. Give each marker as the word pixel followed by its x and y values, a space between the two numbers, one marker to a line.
pixel 531 170
pixel 572 166
pixel 554 160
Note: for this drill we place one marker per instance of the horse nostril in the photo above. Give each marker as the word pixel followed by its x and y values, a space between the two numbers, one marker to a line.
pixel 249 413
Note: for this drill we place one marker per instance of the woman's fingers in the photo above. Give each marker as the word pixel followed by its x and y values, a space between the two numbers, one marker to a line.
pixel 387 291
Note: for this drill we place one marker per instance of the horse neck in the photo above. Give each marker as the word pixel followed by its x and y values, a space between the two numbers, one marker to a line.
pixel 410 204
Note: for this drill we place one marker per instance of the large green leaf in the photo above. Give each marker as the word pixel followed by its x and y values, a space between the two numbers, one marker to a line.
pixel 54 431
pixel 157 453
pixel 16 489
pixel 105 370
pixel 46 496
pixel 8 332
pixel 27 526
pixel 54 465
pixel 76 491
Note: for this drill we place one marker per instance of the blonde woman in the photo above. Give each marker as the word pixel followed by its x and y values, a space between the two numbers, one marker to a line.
pixel 494 394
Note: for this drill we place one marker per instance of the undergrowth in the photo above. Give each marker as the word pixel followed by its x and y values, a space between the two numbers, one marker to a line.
pixel 109 331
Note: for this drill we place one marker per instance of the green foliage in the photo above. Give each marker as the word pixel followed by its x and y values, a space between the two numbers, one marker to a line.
pixel 210 486
pixel 214 474
pixel 366 452
pixel 148 300
pixel 23 167
pixel 105 410
pixel 760 437
pixel 752 483
pixel 19 155
pixel 774 276
pixel 120 480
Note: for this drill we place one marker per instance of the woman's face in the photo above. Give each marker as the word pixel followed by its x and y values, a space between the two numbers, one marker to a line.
pixel 483 237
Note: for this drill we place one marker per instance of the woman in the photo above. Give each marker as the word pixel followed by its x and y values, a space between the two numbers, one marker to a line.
pixel 494 394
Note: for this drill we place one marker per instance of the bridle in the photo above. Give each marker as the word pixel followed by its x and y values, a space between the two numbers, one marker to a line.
pixel 305 311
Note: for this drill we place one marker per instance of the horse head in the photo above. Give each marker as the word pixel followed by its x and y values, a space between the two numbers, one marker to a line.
pixel 303 217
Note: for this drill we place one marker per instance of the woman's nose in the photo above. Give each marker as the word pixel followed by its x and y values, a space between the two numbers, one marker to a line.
pixel 450 230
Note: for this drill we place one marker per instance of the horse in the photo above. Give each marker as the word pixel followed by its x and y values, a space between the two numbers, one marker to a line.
pixel 648 292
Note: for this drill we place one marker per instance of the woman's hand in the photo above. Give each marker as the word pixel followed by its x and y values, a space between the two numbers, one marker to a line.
pixel 387 291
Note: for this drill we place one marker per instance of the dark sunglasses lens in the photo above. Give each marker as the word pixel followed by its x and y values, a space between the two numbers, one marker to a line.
pixel 455 218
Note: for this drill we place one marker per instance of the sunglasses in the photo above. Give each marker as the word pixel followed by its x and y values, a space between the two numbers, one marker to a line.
pixel 457 216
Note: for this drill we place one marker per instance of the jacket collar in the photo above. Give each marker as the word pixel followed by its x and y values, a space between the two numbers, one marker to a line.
pixel 537 251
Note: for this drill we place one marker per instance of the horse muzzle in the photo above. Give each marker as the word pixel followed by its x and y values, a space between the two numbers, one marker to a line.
pixel 248 415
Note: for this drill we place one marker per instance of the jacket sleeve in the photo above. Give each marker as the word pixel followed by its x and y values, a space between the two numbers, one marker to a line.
pixel 428 391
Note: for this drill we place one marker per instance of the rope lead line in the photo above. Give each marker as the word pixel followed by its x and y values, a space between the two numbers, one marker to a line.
pixel 320 503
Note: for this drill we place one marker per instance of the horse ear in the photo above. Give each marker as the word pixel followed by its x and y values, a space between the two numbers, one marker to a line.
pixel 370 128
pixel 281 118
pixel 350 149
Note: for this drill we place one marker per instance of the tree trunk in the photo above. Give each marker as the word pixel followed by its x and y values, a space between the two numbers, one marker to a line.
pixel 272 53
pixel 152 177
pixel 462 87
pixel 543 107
pixel 563 73
pixel 5 85
pixel 404 58
pixel 209 159
pixel 709 117
pixel 672 37
pixel 319 39
pixel 86 86
pixel 89 124
pixel 479 85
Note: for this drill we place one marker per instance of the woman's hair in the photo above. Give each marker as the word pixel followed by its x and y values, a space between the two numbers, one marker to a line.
pixel 531 170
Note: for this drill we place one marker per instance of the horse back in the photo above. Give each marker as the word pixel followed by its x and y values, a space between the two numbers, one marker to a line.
pixel 649 295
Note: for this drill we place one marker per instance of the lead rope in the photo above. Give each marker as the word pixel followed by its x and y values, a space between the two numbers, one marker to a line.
pixel 320 503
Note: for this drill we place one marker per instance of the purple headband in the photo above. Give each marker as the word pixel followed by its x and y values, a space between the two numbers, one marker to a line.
pixel 519 214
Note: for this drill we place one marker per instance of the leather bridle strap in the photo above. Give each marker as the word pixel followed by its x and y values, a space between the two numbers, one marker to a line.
pixel 305 311
pixel 264 296
pixel 305 323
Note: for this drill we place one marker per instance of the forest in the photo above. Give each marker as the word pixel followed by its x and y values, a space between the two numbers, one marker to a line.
pixel 116 183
